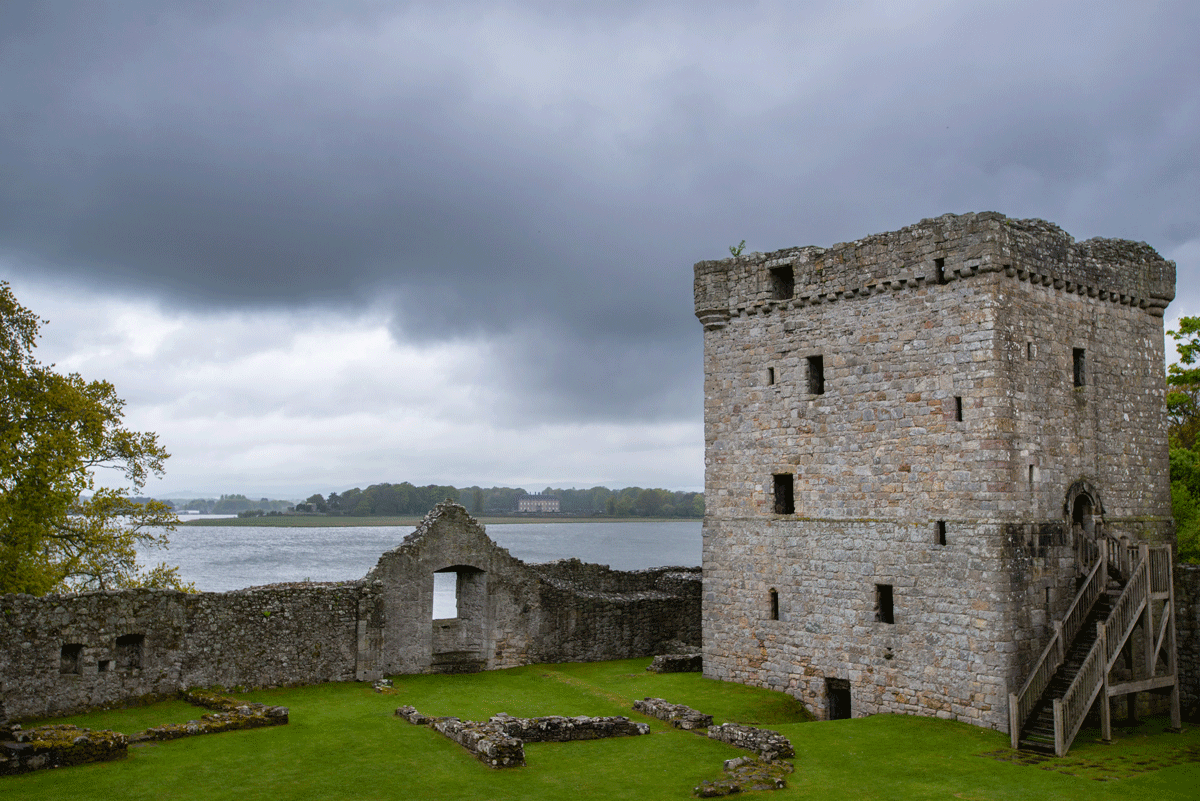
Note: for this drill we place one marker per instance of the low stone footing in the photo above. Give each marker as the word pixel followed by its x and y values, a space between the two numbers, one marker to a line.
pixel 677 663
pixel 746 774
pixel 486 741
pixel 678 715
pixel 770 745
pixel 500 742
pixel 24 750
pixel 245 716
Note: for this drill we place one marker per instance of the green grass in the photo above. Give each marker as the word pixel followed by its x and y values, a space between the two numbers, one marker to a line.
pixel 344 742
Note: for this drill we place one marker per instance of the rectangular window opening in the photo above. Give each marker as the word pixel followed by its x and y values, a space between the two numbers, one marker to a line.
pixel 783 282
pixel 816 375
pixel 69 659
pixel 1030 351
pixel 785 503
pixel 884 611
pixel 1080 360
pixel 770 376
pixel 774 604
pixel 1032 475
pixel 445 595
pixel 104 665
pixel 958 408
pixel 941 532
pixel 939 266
pixel 129 651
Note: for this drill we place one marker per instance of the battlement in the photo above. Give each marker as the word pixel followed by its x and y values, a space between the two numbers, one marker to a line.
pixel 937 250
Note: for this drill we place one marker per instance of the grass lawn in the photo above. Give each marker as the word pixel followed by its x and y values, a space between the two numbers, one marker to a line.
pixel 344 742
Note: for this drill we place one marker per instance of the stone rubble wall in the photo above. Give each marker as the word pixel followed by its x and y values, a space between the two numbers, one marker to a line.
pixel 678 715
pixel 677 663
pixel 500 741
pixel 770 745
pixel 57 746
pixel 1187 637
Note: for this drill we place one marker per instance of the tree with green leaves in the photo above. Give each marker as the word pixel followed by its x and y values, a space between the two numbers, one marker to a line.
pixel 59 531
pixel 1183 412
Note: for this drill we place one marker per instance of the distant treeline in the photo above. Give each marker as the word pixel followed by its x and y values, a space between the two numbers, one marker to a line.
pixel 226 504
pixel 407 499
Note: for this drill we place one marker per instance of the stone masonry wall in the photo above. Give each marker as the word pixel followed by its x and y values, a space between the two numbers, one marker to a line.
pixel 59 654
pixel 916 394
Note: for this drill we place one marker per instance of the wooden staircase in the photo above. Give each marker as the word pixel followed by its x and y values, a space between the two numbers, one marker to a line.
pixel 1125 587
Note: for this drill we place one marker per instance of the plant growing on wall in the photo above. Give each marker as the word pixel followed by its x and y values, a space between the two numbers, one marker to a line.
pixel 58 530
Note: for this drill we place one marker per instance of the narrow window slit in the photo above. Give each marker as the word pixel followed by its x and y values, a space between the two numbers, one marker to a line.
pixel 770 376
pixel 939 266
pixel 941 532
pixel 774 604
pixel 785 503
pixel 884 611
pixel 1080 363
pixel 958 408
pixel 816 375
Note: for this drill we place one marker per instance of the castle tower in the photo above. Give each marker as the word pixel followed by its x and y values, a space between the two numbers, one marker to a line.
pixel 908 440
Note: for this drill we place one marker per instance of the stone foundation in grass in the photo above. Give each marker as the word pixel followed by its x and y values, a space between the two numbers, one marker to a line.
pixel 677 663
pixel 678 715
pixel 770 745
pixel 746 774
pixel 500 742
pixel 24 750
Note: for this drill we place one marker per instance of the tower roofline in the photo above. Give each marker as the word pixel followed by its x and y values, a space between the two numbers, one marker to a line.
pixel 936 250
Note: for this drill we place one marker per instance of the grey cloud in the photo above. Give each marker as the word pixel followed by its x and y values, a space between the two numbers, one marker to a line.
pixel 248 155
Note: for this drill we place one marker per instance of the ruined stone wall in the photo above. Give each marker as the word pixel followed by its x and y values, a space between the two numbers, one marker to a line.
pixel 1187 633
pixel 59 654
pixel 72 652
pixel 900 388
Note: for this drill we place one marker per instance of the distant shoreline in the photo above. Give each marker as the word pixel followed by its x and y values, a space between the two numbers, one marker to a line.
pixel 339 521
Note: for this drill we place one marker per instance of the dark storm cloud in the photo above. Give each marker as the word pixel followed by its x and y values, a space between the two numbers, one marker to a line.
pixel 549 172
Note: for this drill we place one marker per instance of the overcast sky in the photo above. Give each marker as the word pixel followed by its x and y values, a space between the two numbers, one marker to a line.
pixel 324 245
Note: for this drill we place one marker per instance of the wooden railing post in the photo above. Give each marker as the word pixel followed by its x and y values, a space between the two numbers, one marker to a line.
pixel 1172 655
pixel 1059 747
pixel 1105 707
pixel 1058 638
pixel 1014 722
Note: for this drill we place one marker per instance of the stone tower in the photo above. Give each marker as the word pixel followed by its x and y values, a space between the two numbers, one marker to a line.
pixel 908 440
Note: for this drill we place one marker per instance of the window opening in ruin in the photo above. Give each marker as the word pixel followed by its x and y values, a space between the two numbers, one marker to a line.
pixel 837 693
pixel 958 408
pixel 1080 359
pixel 770 376
pixel 785 503
pixel 884 611
pixel 445 595
pixel 816 375
pixel 1030 351
pixel 129 651
pixel 69 659
pixel 939 265
pixel 941 532
pixel 1032 475
pixel 783 282
pixel 1047 596
pixel 104 665
pixel 774 604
